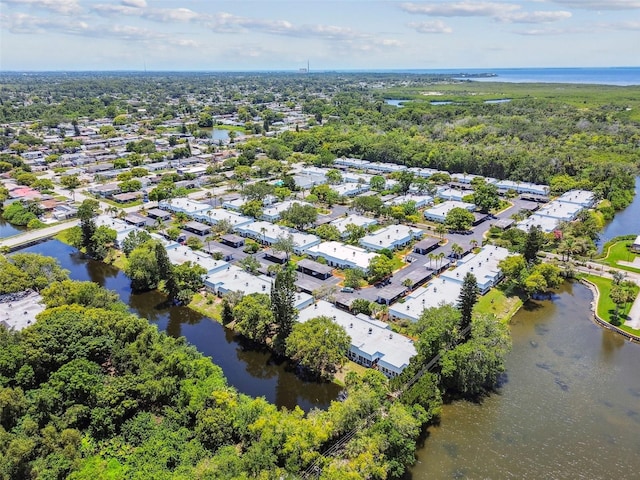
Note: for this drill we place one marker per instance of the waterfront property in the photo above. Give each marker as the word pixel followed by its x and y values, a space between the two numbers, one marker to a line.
pixel 438 292
pixel 234 279
pixel 483 265
pixel 446 288
pixel 182 254
pixel 373 343
pixel 342 256
pixel 391 237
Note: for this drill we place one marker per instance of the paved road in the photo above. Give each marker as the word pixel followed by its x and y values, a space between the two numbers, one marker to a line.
pixel 34 235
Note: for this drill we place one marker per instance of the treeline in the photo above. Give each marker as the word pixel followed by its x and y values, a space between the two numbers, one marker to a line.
pixel 92 391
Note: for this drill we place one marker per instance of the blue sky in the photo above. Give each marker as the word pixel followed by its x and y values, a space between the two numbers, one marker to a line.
pixel 330 34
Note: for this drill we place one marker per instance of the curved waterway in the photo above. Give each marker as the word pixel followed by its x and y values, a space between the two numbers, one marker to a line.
pixel 249 370
pixel 624 222
pixel 569 406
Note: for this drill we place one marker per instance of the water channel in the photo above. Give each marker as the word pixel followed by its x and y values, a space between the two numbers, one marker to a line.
pixel 8 230
pixel 568 408
pixel 624 222
pixel 249 370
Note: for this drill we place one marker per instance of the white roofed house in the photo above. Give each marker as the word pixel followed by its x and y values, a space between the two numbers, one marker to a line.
pixel 233 279
pixel 438 213
pixel 353 219
pixel 121 227
pixel 483 265
pixel 583 198
pixel 184 205
pixel 215 215
pixel 391 237
pixel 439 291
pixel 350 189
pixel 373 343
pixel 420 200
pixel 182 254
pixel 268 233
pixel 342 256
pixel 273 213
pixel 522 187
pixel 351 162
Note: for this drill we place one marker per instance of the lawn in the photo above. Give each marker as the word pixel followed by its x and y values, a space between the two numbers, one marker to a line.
pixel 619 252
pixel 606 308
pixel 497 303
pixel 208 305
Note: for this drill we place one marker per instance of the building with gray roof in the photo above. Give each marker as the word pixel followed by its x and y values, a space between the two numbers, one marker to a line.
pixel 373 343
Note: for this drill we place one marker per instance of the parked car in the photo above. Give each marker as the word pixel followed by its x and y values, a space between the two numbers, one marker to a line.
pixel 346 289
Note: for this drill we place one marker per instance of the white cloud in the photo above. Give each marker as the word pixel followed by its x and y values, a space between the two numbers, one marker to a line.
pixel 436 26
pixel 534 17
pixel 134 3
pixel 599 4
pixel 65 7
pixel 501 12
pixel 460 9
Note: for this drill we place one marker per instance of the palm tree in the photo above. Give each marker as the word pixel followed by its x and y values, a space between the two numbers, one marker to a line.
pixel 457 250
pixel 440 258
pixel 441 229
pixel 208 239
pixel 474 243
pixel 432 257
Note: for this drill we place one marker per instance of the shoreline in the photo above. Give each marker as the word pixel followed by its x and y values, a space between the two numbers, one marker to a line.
pixel 600 321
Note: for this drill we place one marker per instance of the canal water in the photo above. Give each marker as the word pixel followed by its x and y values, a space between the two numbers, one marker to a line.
pixel 568 407
pixel 625 222
pixel 249 370
pixel 8 230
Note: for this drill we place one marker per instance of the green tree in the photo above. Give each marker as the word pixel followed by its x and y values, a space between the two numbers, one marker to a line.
pixel 283 294
pixel 368 203
pixel 284 244
pixel 142 267
pixel 87 294
pixel 184 281
pixel 473 367
pixel 354 233
pixel 353 277
pixel 71 183
pixel 380 267
pixel 257 191
pixel 319 345
pixel 300 216
pixel 377 183
pixel 459 219
pixel 252 208
pixel 87 211
pixel 361 305
pixel 486 197
pixel 334 177
pixel 133 240
pixel 328 232
pixel 533 244
pixel 468 298
pixel 254 318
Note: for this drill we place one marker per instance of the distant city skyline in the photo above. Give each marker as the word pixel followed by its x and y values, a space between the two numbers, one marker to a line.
pixel 279 35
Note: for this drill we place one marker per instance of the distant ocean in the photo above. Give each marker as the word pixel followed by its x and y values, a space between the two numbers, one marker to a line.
pixel 601 76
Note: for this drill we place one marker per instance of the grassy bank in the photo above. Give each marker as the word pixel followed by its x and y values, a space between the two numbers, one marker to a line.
pixel 497 303
pixel 605 308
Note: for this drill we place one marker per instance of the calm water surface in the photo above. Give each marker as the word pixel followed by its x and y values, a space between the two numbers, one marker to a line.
pixel 8 230
pixel 569 407
pixel 250 371
pixel 625 222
